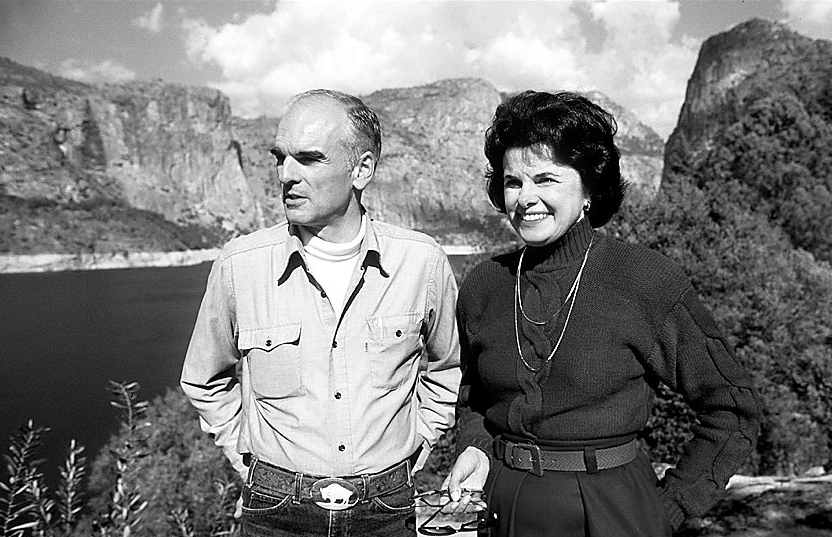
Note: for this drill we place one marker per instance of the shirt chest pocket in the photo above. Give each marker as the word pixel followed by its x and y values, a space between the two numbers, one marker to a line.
pixel 393 347
pixel 274 360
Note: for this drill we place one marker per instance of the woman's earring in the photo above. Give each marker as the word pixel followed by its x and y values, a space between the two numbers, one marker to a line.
pixel 587 204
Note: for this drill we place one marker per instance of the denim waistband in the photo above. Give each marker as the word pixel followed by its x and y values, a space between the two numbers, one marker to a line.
pixel 268 478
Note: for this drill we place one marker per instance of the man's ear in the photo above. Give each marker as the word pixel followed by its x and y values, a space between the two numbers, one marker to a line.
pixel 363 171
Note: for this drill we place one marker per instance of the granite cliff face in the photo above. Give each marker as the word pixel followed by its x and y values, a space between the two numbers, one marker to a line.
pixel 155 147
pixel 178 153
pixel 432 171
pixel 757 124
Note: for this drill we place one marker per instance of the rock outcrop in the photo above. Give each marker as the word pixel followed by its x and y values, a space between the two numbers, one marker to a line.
pixel 178 152
pixel 432 170
pixel 157 147
pixel 757 124
pixel 732 66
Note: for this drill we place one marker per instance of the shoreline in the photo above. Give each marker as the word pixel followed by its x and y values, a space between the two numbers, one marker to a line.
pixel 11 264
pixel 14 264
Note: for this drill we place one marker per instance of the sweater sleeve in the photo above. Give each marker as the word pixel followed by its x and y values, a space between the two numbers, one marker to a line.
pixel 692 357
pixel 472 402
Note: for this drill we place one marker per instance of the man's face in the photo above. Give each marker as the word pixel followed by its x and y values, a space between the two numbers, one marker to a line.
pixel 314 168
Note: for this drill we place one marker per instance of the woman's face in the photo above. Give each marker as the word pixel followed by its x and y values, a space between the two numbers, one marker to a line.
pixel 543 198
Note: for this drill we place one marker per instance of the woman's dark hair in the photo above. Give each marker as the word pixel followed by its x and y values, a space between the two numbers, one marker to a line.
pixel 575 132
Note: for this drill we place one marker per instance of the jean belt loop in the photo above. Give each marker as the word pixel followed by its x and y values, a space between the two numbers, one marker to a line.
pixel 252 465
pixel 298 487
pixel 365 484
pixel 590 460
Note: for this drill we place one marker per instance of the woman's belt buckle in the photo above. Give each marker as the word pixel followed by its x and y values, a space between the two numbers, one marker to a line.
pixel 335 494
pixel 534 456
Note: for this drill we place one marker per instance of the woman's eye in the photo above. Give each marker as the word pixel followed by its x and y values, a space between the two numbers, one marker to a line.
pixel 511 183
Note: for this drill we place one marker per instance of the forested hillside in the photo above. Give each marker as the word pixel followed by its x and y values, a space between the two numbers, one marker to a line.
pixel 746 208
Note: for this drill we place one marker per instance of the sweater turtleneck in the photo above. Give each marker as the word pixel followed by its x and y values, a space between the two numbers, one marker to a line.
pixel 563 253
pixel 547 274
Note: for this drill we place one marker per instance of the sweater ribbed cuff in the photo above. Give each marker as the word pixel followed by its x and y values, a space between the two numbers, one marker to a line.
pixel 483 442
pixel 673 509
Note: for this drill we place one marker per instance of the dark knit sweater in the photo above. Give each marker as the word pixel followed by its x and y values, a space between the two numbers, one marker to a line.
pixel 636 320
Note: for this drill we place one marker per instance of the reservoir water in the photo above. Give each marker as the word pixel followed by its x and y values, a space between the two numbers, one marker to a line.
pixel 63 335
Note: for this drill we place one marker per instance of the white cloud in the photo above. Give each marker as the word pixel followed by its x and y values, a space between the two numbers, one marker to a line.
pixel 810 17
pixel 152 20
pixel 93 73
pixel 360 47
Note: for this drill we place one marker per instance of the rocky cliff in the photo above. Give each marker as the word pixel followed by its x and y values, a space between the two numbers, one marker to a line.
pixel 757 123
pixel 151 146
pixel 118 154
pixel 431 174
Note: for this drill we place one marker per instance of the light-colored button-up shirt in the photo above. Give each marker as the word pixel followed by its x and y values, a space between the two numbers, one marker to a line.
pixel 274 371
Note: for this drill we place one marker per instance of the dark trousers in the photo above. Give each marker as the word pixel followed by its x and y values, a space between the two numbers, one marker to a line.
pixel 274 514
pixel 617 502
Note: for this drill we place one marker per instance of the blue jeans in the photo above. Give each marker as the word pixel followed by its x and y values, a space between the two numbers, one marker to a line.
pixel 276 515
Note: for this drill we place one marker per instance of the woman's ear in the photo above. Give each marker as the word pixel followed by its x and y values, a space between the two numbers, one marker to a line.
pixel 365 168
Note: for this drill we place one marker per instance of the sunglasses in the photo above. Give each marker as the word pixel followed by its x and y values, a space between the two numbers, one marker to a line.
pixel 436 499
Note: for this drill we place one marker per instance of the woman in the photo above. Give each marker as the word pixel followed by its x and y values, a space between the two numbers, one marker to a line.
pixel 565 340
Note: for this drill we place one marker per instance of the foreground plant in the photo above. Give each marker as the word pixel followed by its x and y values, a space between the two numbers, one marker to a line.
pixel 126 508
pixel 26 503
pixel 16 505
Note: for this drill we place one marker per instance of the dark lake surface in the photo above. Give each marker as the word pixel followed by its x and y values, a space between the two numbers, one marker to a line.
pixel 64 335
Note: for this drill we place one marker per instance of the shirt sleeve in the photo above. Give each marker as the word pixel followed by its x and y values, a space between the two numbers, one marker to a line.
pixel 692 357
pixel 209 373
pixel 438 384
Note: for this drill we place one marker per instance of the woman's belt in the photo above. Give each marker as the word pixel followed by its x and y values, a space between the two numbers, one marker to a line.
pixel 525 456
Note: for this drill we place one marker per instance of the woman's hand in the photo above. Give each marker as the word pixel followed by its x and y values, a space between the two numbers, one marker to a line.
pixel 468 473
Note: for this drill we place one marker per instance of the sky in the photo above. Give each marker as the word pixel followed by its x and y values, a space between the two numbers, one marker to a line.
pixel 639 53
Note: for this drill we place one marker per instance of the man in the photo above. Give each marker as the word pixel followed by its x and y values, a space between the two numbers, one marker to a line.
pixel 325 357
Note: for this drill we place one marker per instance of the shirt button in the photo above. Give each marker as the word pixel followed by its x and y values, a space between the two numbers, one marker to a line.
pixel 334 344
pixel 323 294
pixel 398 333
pixel 268 343
pixel 337 395
pixel 342 447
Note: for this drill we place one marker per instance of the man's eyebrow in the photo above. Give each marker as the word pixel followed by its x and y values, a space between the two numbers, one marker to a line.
pixel 312 154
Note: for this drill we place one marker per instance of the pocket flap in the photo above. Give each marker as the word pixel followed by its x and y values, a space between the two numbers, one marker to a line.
pixel 268 338
pixel 394 326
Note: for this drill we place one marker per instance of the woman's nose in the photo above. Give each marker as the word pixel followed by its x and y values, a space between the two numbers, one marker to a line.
pixel 528 195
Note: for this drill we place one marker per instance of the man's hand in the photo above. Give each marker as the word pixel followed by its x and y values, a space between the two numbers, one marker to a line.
pixel 469 473
pixel 238 509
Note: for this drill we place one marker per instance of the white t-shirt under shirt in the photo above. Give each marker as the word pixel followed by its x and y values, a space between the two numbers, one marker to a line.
pixel 332 263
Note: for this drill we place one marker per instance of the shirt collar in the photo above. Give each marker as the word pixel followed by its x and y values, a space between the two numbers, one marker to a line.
pixel 293 255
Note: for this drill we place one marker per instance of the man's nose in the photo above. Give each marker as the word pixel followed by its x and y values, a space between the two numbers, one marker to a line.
pixel 287 171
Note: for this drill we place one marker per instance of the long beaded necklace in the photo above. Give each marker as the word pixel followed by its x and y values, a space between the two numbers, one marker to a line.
pixel 570 297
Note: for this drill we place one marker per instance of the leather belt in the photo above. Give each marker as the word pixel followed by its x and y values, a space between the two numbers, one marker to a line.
pixel 334 493
pixel 526 456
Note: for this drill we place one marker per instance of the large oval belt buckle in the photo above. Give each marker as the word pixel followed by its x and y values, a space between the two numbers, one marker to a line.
pixel 334 494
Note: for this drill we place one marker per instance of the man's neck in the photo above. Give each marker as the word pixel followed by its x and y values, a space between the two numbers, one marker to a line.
pixel 324 243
